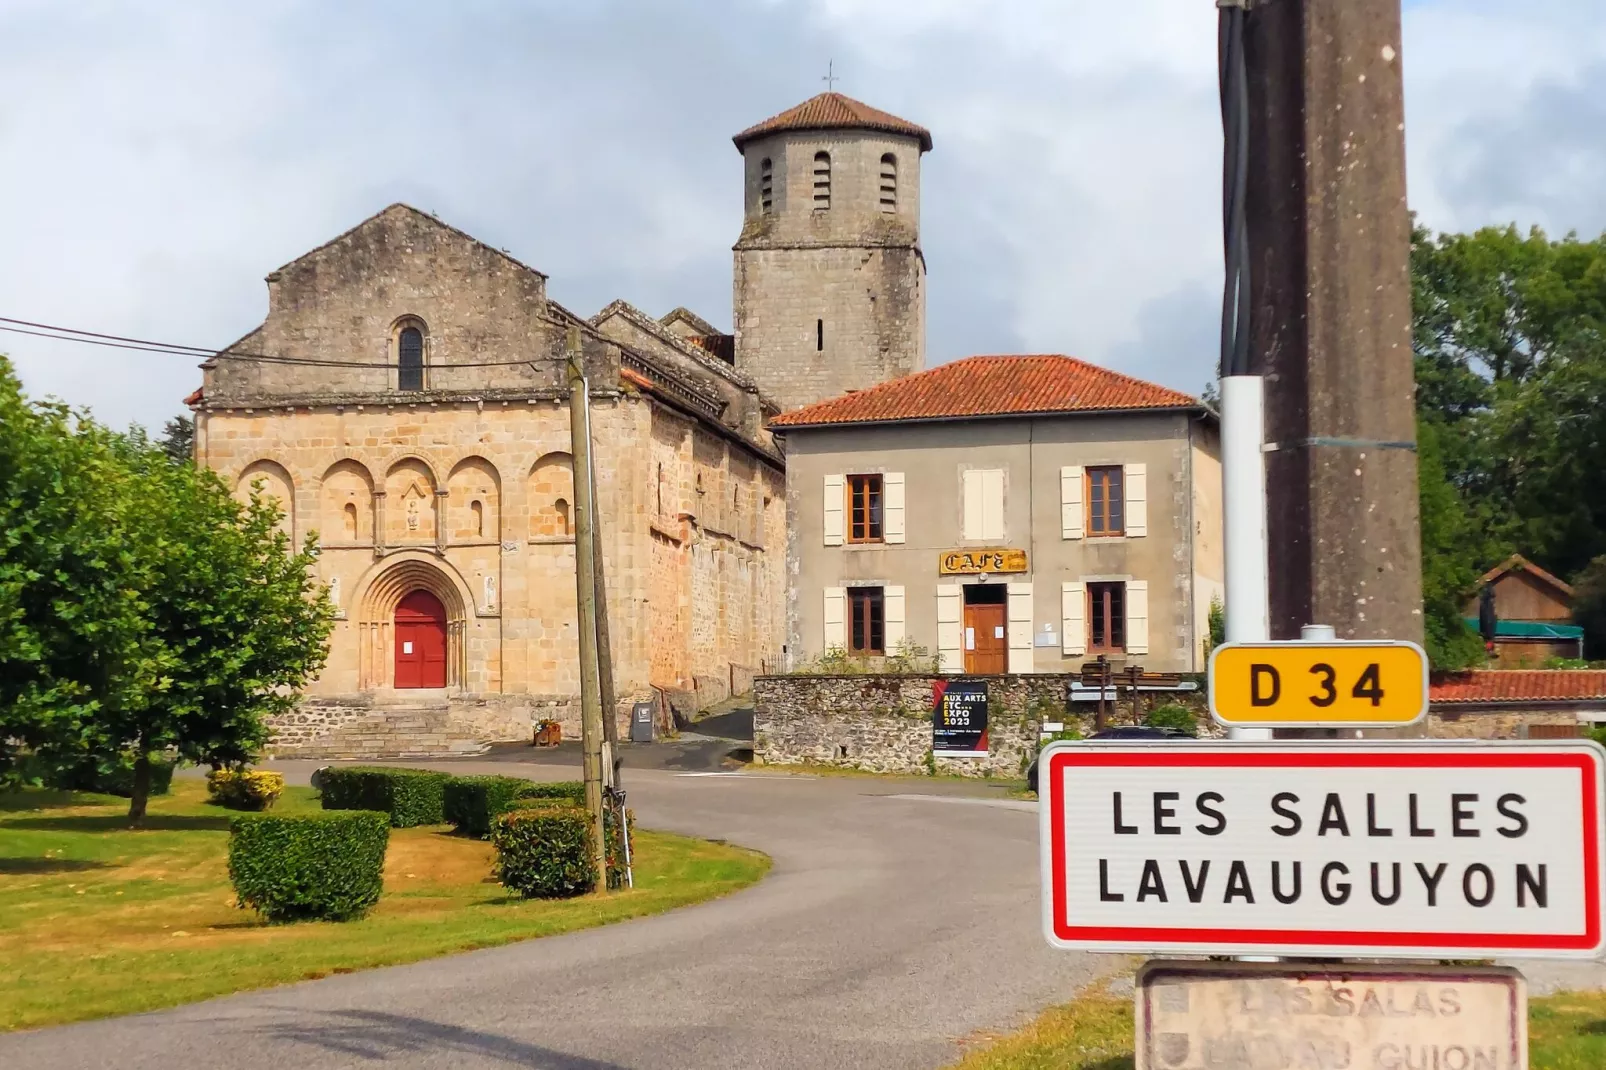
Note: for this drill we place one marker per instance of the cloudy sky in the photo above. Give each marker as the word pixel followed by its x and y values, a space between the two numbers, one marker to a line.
pixel 157 160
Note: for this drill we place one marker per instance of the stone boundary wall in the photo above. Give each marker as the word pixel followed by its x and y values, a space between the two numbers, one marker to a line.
pixel 364 726
pixel 882 723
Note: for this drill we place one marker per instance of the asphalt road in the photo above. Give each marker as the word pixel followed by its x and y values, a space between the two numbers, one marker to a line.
pixel 890 929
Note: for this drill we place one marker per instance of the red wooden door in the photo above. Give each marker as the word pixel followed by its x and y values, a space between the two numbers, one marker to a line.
pixel 420 641
pixel 986 649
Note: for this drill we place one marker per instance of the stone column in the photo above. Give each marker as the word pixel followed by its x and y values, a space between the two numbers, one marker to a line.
pixel 1329 239
pixel 441 530
pixel 379 523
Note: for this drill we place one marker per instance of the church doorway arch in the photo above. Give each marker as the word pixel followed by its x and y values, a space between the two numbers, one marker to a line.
pixel 411 597
pixel 421 641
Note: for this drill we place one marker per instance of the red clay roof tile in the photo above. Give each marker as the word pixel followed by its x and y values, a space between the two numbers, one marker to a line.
pixel 833 111
pixel 991 386
pixel 1519 685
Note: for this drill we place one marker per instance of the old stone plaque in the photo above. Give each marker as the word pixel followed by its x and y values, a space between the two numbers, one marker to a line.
pixel 980 562
pixel 1197 1015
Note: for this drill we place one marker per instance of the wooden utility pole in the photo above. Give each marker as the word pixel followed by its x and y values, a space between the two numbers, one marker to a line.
pixel 608 702
pixel 1329 249
pixel 585 578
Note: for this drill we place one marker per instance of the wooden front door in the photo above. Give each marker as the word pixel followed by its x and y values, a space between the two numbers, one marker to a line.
pixel 420 641
pixel 986 649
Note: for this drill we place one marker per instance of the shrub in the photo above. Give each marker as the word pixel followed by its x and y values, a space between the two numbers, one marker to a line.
pixel 544 852
pixel 570 791
pixel 244 789
pixel 1174 716
pixel 473 802
pixel 314 866
pixel 109 776
pixel 410 796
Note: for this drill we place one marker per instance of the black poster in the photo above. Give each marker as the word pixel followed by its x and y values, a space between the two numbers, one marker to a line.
pixel 959 718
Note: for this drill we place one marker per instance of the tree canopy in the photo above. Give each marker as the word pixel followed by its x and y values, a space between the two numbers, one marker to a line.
pixel 1509 335
pixel 142 608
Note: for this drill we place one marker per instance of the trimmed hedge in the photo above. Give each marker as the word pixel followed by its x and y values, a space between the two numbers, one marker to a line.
pixel 544 852
pixel 573 791
pixel 410 796
pixel 325 866
pixel 473 802
pixel 244 789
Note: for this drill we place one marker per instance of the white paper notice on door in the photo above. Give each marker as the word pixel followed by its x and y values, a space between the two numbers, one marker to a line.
pixel 998 632
pixel 407 648
pixel 970 639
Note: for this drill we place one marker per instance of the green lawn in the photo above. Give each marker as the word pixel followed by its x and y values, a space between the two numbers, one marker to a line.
pixel 97 919
pixel 1094 1032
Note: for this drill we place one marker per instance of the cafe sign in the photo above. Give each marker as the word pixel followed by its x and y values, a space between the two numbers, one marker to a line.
pixel 980 562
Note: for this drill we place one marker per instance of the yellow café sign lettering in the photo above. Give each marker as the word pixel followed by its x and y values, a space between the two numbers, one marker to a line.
pixel 980 562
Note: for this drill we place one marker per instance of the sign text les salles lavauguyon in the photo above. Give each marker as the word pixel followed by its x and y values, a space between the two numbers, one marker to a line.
pixel 1387 849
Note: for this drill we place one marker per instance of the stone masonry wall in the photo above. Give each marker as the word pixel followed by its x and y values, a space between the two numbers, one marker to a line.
pixel 883 723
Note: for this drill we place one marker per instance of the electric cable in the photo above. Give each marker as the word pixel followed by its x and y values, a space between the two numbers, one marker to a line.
pixel 145 345
pixel 1234 85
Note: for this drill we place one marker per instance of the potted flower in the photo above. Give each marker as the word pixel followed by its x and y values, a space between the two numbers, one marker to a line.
pixel 548 733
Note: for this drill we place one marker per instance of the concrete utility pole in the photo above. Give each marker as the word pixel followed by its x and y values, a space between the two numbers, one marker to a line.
pixel 585 578
pixel 609 704
pixel 1329 247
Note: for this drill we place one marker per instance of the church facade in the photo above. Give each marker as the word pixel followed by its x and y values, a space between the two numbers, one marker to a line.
pixel 405 399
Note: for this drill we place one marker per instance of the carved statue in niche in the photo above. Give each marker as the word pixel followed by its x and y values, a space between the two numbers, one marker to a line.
pixel 490 590
pixel 414 508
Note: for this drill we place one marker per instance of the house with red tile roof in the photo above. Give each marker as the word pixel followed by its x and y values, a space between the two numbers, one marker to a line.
pixel 1517 703
pixel 1004 514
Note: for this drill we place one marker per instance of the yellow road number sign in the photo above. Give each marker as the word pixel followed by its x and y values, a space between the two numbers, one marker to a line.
pixel 1318 685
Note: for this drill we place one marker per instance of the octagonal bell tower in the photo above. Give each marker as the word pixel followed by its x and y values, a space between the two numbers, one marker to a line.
pixel 830 283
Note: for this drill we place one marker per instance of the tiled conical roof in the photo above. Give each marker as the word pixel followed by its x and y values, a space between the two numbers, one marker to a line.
pixel 833 111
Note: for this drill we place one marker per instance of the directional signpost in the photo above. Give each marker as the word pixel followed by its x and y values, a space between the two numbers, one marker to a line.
pixel 1329 849
pixel 1318 685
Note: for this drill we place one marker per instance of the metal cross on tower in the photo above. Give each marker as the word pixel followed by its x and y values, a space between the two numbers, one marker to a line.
pixel 830 78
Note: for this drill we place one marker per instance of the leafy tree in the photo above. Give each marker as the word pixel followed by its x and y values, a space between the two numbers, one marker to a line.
pixel 1509 334
pixel 73 620
pixel 239 623
pixel 142 608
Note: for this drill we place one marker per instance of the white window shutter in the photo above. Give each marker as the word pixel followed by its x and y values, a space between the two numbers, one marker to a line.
pixel 992 505
pixel 835 499
pixel 892 614
pixel 1019 628
pixel 1137 616
pixel 1073 618
pixel 972 481
pixel 836 631
pixel 1073 516
pixel 892 507
pixel 950 634
pixel 1135 480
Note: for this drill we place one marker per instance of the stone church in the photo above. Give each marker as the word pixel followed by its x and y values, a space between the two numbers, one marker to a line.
pixel 420 429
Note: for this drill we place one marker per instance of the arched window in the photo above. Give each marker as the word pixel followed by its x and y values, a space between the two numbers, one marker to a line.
pixel 410 359
pixel 561 508
pixel 889 183
pixel 822 181
pixel 350 512
pixel 477 512
pixel 766 185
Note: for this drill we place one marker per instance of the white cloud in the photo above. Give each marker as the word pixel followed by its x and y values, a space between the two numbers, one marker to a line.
pixel 160 158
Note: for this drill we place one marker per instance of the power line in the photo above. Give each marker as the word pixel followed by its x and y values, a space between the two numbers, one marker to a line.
pixel 146 345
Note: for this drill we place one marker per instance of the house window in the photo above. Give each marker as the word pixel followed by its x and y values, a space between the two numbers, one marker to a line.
pixel 867 621
pixel 410 359
pixel 889 183
pixel 1105 501
pixel 819 336
pixel 822 181
pixel 983 492
pixel 1106 616
pixel 864 508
